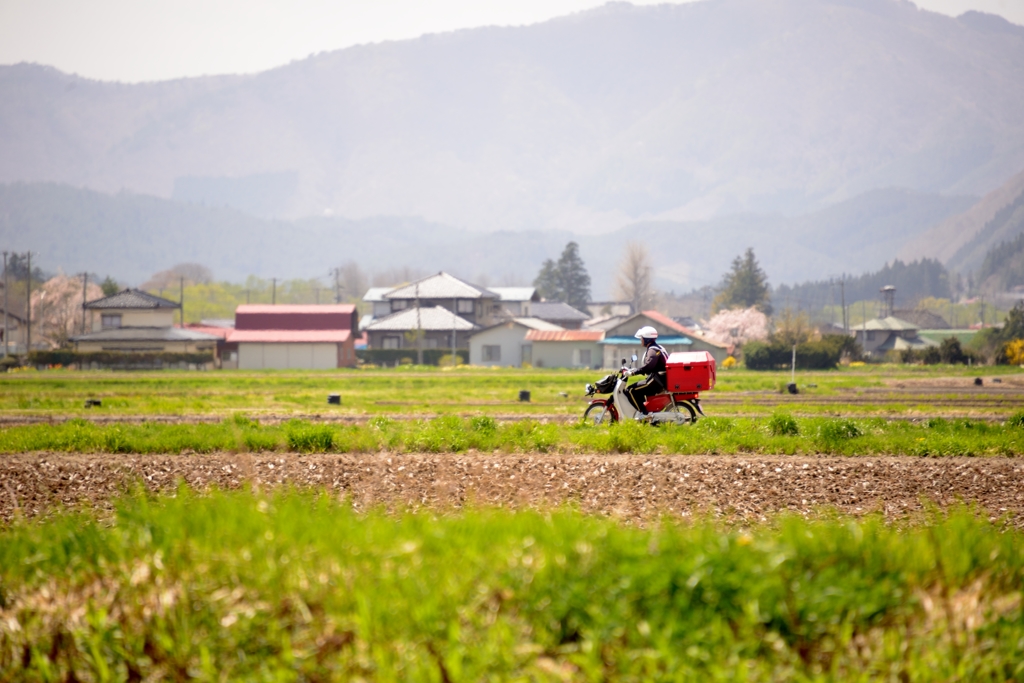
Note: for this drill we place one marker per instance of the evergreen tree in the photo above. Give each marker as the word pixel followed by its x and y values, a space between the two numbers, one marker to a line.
pixel 547 281
pixel 565 280
pixel 110 286
pixel 574 278
pixel 745 285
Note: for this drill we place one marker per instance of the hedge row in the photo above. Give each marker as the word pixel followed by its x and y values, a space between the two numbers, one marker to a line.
pixel 117 358
pixel 817 355
pixel 408 356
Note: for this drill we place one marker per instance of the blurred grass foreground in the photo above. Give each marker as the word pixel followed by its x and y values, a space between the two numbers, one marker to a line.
pixel 299 586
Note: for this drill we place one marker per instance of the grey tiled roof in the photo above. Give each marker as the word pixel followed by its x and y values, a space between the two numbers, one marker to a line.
pixel 132 298
pixel 435 318
pixel 162 334
pixel 556 310
pixel 440 286
pixel 515 293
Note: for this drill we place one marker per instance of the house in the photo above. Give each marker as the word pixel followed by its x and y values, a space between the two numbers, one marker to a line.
pixel 379 306
pixel 477 305
pixel 312 337
pixel 603 309
pixel 619 342
pixel 437 325
pixel 560 314
pixel 136 321
pixel 516 302
pixel 504 344
pixel 565 348
pixel 881 335
pixel 227 353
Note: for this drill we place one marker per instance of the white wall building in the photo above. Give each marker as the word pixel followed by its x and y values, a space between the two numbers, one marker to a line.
pixel 504 344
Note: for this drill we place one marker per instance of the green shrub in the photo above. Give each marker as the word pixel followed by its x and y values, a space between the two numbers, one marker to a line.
pixel 483 424
pixel 782 424
pixel 834 432
pixel 1017 420
pixel 309 438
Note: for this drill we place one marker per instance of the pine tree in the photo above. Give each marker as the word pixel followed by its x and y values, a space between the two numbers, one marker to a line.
pixel 574 278
pixel 745 285
pixel 565 280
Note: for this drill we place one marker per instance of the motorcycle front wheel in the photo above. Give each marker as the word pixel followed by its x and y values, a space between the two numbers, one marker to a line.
pixel 598 413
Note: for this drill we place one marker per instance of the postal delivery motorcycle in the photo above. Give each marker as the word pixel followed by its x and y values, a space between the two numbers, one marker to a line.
pixel 687 374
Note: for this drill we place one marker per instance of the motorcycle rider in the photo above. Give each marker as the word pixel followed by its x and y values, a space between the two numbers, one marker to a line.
pixel 653 366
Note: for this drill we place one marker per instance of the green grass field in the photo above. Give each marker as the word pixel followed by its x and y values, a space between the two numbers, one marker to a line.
pixel 777 435
pixel 299 587
pixel 421 391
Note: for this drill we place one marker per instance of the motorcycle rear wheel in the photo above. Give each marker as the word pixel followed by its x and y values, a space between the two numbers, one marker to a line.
pixel 598 413
pixel 682 409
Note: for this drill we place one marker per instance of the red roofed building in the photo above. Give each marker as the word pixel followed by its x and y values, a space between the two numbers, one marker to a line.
pixel 565 348
pixel 308 337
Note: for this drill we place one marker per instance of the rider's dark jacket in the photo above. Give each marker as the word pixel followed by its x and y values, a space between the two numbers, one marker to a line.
pixel 653 364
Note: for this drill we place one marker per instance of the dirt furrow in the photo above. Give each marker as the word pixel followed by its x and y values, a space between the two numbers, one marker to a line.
pixel 629 487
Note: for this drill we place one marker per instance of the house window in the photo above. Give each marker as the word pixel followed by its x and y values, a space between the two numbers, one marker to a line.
pixel 492 353
pixel 110 321
pixel 392 342
pixel 399 305
pixel 430 343
pixel 871 336
pixel 464 306
pixel 584 357
pixel 527 354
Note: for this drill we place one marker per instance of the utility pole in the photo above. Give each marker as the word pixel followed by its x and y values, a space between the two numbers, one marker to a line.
pixel 28 304
pixel 455 320
pixel 85 286
pixel 6 335
pixel 419 330
pixel 337 285
pixel 181 301
pixel 273 293
pixel 842 294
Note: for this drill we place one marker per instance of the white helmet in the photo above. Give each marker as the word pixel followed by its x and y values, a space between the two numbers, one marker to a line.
pixel 646 332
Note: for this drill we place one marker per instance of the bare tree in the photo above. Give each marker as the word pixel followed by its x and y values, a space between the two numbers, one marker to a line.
pixel 354 281
pixel 633 281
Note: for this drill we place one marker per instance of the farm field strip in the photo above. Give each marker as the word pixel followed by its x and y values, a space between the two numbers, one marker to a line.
pixel 414 392
pixel 284 585
pixel 781 434
pixel 7 421
pixel 741 488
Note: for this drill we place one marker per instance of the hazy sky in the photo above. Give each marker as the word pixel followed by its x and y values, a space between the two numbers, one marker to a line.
pixel 145 40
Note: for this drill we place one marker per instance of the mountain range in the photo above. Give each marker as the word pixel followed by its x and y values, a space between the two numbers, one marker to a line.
pixel 132 236
pixel 622 115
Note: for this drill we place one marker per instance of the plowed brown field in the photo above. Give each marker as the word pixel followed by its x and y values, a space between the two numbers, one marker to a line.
pixel 629 487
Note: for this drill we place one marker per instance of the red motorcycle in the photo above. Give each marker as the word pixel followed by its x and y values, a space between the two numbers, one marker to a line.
pixel 687 374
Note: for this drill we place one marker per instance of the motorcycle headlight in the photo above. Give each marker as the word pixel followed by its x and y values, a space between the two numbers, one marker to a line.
pixel 590 389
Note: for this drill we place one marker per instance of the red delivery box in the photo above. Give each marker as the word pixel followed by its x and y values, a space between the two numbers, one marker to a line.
pixel 690 371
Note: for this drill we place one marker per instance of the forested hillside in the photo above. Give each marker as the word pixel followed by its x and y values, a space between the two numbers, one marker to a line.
pixel 913 281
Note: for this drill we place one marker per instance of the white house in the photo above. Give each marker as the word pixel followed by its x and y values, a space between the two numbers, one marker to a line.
pixel 505 344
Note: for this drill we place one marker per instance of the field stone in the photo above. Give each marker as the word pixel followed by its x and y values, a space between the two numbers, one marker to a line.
pixel 741 487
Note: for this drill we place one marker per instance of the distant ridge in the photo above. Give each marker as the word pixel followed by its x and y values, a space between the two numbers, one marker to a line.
pixel 132 236
pixel 962 241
